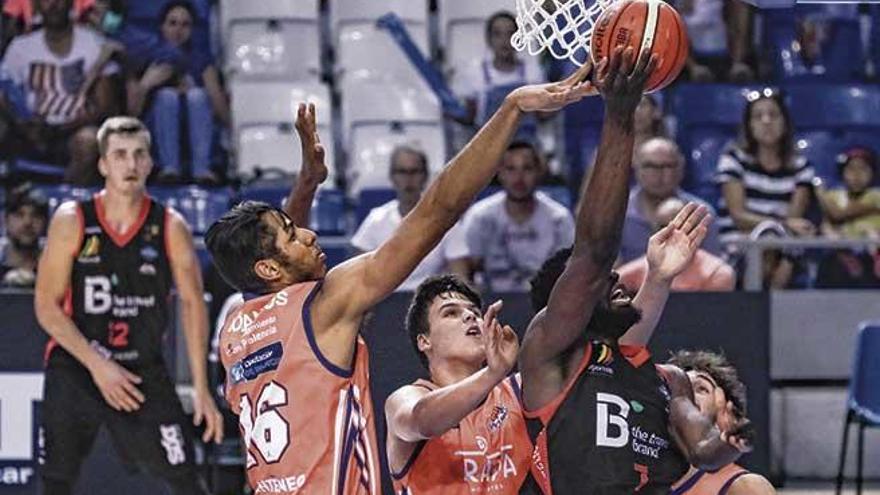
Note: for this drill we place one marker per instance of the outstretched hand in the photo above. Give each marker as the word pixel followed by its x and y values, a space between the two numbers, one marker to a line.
pixel 313 167
pixel 737 432
pixel 621 81
pixel 500 342
pixel 553 96
pixel 672 248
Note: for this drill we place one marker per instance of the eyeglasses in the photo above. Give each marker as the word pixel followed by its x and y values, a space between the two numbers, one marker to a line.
pixel 659 166
pixel 408 172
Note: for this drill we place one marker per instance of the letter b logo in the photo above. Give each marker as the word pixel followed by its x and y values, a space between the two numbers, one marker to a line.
pixel 612 429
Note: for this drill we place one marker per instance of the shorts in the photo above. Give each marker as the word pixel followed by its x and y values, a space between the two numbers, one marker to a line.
pixel 157 439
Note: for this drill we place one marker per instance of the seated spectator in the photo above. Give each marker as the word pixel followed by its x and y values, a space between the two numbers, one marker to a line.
pixel 659 167
pixel 21 17
pixel 509 234
pixel 162 89
pixel 409 175
pixel 720 34
pixel 780 268
pixel 56 122
pixel 761 176
pixel 27 212
pixel 484 86
pixel 851 212
pixel 705 272
pixel 648 121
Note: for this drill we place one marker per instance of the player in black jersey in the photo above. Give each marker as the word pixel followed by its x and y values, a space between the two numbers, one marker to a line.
pixel 102 294
pixel 603 420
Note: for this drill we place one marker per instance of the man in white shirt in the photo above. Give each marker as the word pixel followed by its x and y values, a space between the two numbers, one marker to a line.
pixel 56 122
pixel 409 175
pixel 509 234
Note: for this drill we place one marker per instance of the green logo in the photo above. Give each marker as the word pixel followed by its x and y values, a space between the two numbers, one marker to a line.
pixel 637 406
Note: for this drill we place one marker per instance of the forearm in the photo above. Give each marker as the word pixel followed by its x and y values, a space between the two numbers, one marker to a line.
pixel 299 202
pixel 442 409
pixel 64 332
pixel 194 317
pixel 699 438
pixel 739 20
pixel 650 300
pixel 137 97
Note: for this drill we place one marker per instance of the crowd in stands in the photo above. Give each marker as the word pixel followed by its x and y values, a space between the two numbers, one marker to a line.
pixel 68 64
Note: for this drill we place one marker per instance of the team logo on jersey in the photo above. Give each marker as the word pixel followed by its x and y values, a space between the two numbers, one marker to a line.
pixel 604 358
pixel 257 363
pixel 486 466
pixel 89 251
pixel 499 414
pixel 147 269
pixel 150 232
pixel 149 253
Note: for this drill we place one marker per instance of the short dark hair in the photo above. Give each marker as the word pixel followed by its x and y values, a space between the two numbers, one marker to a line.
pixel 238 240
pixel 523 144
pixel 124 125
pixel 173 4
pixel 428 290
pixel 23 195
pixel 722 372
pixel 862 152
pixel 405 148
pixel 501 14
pixel 786 149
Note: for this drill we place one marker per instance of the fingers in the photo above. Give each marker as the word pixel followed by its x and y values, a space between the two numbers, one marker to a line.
pixel 683 214
pixel 491 313
pixel 664 233
pixel 581 75
pixel 699 234
pixel 213 427
pixel 695 218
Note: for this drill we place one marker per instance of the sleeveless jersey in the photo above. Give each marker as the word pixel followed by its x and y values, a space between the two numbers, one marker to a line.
pixel 606 433
pixel 488 452
pixel 120 287
pixel 307 425
pixel 701 482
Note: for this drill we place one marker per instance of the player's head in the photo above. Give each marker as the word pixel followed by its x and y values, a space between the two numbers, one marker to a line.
pixel 648 118
pixel 27 212
pixel 659 167
pixel 521 171
pixel 612 316
pixel 176 22
pixel 56 13
pixel 409 172
pixel 124 149
pixel 499 29
pixel 767 124
pixel 667 210
pixel 857 167
pixel 258 249
pixel 708 373
pixel 443 322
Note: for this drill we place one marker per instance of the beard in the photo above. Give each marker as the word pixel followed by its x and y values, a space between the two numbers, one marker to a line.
pixel 609 323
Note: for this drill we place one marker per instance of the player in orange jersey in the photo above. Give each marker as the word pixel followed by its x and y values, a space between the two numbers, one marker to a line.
pixel 462 432
pixel 721 395
pixel 298 370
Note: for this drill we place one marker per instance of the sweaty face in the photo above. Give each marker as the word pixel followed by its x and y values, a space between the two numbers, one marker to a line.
pixel 298 256
pixel 454 336
pixel 177 27
pixel 704 392
pixel 520 173
pixel 615 314
pixel 767 122
pixel 857 175
pixel 126 163
pixel 24 226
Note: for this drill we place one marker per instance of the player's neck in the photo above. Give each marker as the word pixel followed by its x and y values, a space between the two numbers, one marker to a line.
pixel 448 373
pixel 121 208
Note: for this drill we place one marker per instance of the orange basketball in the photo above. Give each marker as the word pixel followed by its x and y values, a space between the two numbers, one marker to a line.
pixel 652 24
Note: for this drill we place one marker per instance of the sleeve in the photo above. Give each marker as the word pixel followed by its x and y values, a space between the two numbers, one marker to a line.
pixel 93 47
pixel 365 239
pixel 17 9
pixel 729 169
pixel 465 82
pixel 804 176
pixel 565 230
pixel 14 63
pixel 475 234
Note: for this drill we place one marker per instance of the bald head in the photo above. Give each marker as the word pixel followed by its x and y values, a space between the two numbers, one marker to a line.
pixel 659 167
pixel 667 210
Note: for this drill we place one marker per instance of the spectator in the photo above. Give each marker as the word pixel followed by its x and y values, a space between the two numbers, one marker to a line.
pixel 483 86
pixel 409 175
pixel 26 214
pixel 705 272
pixel 853 212
pixel 648 121
pixel 720 34
pixel 780 268
pixel 51 64
pixel 19 17
pixel 761 176
pixel 164 89
pixel 509 234
pixel 659 167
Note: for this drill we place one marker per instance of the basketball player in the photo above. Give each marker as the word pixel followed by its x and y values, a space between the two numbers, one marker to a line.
pixel 462 431
pixel 298 371
pixel 602 419
pixel 102 294
pixel 721 395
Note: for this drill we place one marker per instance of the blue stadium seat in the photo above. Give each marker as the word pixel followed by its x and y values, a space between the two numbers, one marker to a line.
pixel 273 192
pixel 370 198
pixel 719 105
pixel 335 254
pixel 329 209
pixel 57 194
pixel 821 149
pixel 199 206
pixel 561 194
pixel 842 106
pixel 702 162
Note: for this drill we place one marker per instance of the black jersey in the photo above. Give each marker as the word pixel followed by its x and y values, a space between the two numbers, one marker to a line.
pixel 120 286
pixel 607 432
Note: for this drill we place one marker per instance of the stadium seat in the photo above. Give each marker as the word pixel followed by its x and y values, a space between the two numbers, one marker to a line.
pixel 718 105
pixel 328 212
pixel 841 106
pixel 372 144
pixel 821 149
pixel 57 194
pixel 369 198
pixel 463 27
pixel 702 155
pixel 263 116
pixel 344 13
pixel 274 50
pixel 249 10
pixel 366 51
pixel 199 206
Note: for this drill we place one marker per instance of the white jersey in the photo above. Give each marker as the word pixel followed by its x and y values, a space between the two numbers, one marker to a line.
pixel 513 252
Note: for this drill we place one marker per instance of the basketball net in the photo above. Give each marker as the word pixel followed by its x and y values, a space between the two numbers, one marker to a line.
pixel 562 27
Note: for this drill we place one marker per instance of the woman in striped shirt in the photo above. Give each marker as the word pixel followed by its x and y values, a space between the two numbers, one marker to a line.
pixel 761 176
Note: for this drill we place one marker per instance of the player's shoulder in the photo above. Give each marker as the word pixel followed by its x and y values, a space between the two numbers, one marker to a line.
pixel 751 484
pixel 403 395
pixel 67 215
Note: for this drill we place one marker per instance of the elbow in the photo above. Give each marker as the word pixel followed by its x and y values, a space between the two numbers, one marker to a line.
pixel 422 424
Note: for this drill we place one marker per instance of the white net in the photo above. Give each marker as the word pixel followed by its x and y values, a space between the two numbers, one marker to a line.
pixel 562 27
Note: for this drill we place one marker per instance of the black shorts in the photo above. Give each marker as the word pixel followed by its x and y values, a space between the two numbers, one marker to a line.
pixel 156 439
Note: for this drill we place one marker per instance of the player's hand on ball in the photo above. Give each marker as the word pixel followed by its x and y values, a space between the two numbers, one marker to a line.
pixel 673 247
pixel 553 96
pixel 313 167
pixel 205 409
pixel 118 386
pixel 622 82
pixel 500 342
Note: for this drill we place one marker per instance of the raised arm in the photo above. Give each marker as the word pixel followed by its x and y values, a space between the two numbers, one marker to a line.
pixel 313 171
pixel 353 287
pixel 599 220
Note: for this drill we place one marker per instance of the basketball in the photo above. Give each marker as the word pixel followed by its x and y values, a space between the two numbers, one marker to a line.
pixel 644 25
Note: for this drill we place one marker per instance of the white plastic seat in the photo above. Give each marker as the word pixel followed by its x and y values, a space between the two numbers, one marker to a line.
pixel 250 10
pixel 364 50
pixel 274 50
pixel 462 32
pixel 345 12
pixel 372 145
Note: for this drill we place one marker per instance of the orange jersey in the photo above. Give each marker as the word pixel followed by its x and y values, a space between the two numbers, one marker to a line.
pixel 699 482
pixel 307 425
pixel 488 452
